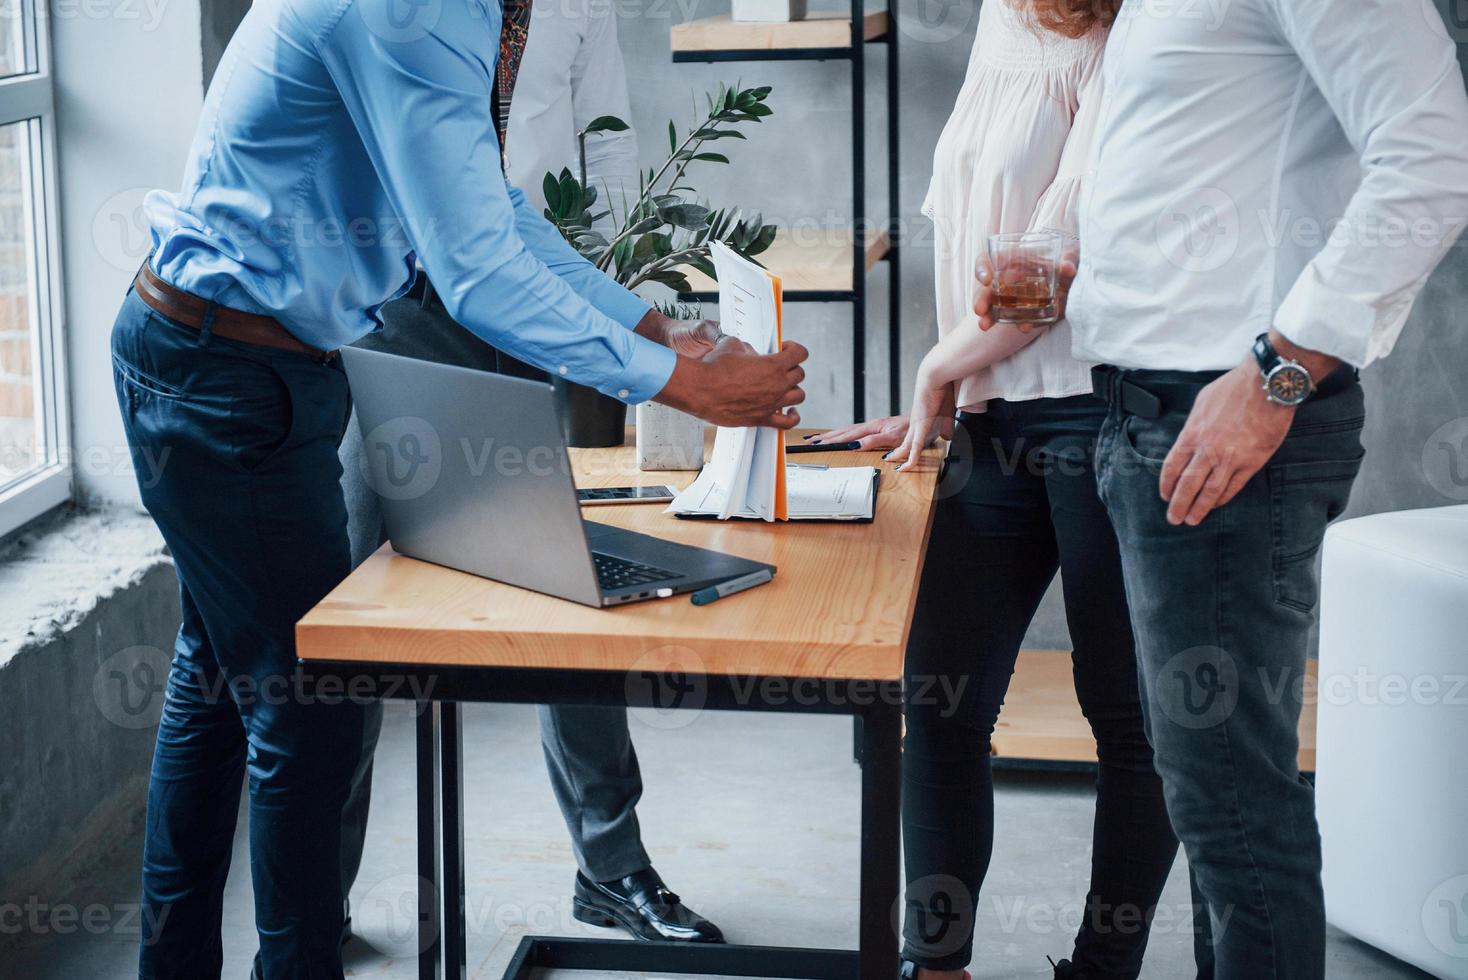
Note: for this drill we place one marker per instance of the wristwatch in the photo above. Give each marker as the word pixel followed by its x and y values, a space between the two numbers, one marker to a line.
pixel 1286 382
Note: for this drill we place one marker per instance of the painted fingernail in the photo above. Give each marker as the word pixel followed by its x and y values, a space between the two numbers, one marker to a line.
pixel 810 437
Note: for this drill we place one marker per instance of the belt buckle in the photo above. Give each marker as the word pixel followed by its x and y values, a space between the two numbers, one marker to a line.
pixel 1136 400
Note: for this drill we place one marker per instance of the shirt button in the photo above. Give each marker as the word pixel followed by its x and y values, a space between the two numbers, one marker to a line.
pixel 564 369
pixel 623 393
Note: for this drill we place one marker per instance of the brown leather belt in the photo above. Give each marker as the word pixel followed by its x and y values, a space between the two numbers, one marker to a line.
pixel 190 310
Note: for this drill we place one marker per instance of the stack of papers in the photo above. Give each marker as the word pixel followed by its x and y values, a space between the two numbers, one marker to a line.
pixel 746 475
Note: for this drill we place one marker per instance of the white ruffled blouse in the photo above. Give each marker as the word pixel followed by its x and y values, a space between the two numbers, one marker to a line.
pixel 1012 157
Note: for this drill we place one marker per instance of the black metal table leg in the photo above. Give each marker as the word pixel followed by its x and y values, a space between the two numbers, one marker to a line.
pixel 451 799
pixel 881 787
pixel 430 917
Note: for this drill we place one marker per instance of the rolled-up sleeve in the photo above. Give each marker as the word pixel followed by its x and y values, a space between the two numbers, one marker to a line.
pixel 421 106
pixel 1398 93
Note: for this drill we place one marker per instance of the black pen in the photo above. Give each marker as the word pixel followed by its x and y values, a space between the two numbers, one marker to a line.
pixel 819 447
pixel 735 585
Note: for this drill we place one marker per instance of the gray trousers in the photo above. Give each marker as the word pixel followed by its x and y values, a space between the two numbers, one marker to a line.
pixel 588 749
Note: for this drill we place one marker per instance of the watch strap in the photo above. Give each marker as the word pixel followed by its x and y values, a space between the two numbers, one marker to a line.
pixel 1265 353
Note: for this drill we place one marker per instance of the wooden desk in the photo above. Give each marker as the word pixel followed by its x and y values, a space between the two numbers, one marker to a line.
pixel 829 631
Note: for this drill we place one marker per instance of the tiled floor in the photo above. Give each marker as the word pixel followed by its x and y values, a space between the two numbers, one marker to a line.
pixel 752 818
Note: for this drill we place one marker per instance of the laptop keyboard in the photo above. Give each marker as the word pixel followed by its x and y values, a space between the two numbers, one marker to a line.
pixel 618 574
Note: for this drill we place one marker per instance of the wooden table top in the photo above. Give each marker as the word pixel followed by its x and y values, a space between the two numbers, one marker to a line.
pixel 839 607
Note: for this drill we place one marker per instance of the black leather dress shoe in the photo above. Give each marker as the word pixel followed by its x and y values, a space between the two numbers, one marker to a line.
pixel 641 904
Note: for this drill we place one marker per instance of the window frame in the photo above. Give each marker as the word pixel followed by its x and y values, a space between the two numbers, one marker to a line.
pixel 24 98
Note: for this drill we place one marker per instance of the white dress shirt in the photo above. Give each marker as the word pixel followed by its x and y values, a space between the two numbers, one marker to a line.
pixel 1012 157
pixel 1301 164
pixel 571 74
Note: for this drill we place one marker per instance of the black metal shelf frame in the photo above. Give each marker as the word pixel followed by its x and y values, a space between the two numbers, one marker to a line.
pixel 857 296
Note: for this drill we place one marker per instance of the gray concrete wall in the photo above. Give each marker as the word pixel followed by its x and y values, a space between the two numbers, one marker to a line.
pixel 89 606
pixel 115 147
pixel 217 22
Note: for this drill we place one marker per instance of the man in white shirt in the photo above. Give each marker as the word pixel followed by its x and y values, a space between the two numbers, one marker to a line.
pixel 1271 188
pixel 572 74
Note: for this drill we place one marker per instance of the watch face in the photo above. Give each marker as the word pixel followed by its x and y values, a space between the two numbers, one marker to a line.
pixel 1288 384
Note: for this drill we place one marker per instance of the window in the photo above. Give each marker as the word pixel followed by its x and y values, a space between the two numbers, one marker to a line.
pixel 34 466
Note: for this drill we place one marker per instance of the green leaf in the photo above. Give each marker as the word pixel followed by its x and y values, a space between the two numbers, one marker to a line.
pixel 711 157
pixel 606 124
pixel 588 197
pixel 677 280
pixel 652 246
pixel 570 194
pixel 689 216
pixel 645 225
pixel 622 255
pixel 551 188
pixel 762 241
pixel 672 137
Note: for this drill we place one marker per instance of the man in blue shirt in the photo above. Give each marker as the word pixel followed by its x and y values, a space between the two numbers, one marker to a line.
pixel 342 146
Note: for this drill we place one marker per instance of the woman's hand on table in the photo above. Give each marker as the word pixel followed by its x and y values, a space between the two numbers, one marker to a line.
pixel 933 405
pixel 883 433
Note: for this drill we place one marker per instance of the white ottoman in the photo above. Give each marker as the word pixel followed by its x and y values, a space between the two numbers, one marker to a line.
pixel 1392 756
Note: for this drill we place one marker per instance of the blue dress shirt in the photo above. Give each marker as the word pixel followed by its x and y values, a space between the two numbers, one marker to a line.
pixel 345 142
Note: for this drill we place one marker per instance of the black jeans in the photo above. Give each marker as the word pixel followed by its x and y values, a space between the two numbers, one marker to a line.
pixel 1223 613
pixel 1019 502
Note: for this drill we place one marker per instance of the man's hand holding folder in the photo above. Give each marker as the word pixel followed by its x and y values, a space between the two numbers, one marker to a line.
pixel 732 385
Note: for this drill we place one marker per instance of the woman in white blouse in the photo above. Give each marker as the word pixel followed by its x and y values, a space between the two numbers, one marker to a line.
pixel 1012 158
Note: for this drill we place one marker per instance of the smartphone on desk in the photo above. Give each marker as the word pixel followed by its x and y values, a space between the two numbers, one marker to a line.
pixel 594 496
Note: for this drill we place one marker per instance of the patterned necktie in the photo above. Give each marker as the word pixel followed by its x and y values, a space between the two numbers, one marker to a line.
pixel 514 32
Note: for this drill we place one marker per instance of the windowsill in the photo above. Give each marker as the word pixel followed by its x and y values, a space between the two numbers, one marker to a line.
pixel 56 572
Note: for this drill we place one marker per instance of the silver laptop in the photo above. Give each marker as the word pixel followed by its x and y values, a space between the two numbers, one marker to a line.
pixel 472 472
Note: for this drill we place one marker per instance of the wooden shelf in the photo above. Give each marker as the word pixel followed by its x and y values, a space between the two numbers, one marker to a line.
pixel 1042 722
pixel 812 261
pixel 821 30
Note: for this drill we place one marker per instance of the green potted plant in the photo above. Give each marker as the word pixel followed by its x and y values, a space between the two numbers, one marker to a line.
pixel 656 236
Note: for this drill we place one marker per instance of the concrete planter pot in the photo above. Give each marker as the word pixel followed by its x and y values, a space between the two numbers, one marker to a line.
pixel 769 11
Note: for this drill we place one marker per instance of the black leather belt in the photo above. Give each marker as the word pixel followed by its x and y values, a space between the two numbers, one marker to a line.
pixel 1153 394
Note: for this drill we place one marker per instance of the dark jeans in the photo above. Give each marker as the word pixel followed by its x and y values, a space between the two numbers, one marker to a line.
pixel 1223 614
pixel 243 441
pixel 1019 502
